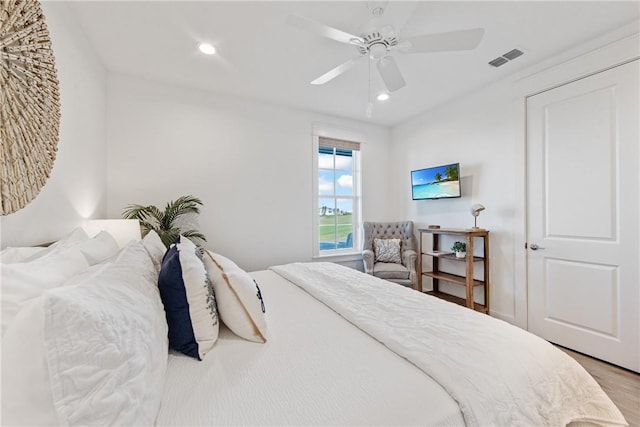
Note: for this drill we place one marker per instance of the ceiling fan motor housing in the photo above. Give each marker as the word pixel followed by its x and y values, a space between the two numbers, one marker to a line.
pixel 377 45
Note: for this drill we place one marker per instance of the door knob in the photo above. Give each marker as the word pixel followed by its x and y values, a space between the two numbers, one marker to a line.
pixel 535 247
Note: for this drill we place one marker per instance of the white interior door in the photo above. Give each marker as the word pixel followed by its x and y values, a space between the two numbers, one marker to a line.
pixel 583 199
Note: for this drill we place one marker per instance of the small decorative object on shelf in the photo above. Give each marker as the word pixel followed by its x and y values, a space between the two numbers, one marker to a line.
pixel 460 249
pixel 433 227
pixel 475 211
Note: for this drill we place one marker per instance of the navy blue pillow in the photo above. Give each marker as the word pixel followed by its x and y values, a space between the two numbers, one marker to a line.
pixel 189 301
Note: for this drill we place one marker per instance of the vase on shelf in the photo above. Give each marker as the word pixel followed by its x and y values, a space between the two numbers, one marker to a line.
pixel 461 254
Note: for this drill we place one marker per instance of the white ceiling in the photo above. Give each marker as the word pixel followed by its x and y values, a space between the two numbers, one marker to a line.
pixel 261 57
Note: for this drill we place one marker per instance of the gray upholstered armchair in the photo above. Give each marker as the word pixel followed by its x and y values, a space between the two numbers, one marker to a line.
pixel 404 272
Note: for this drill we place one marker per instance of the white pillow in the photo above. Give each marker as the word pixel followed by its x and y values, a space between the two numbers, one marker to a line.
pixel 155 248
pixel 99 248
pixel 189 300
pixel 26 399
pixel 124 293
pixel 132 267
pixel 84 275
pixel 106 345
pixel 24 281
pixel 13 255
pixel 239 299
pixel 76 236
pixel 387 250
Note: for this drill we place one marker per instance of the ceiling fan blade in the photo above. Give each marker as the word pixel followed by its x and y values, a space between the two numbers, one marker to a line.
pixel 335 72
pixel 323 30
pixel 439 42
pixel 390 73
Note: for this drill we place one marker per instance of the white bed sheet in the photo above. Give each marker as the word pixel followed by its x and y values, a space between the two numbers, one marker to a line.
pixel 315 369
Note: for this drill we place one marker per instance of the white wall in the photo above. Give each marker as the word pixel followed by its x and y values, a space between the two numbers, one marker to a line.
pixel 485 132
pixel 479 132
pixel 76 188
pixel 250 163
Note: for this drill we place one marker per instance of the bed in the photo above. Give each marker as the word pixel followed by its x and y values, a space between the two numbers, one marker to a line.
pixel 342 348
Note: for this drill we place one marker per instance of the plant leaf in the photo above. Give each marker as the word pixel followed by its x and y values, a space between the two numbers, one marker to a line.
pixel 164 222
pixel 181 206
pixel 194 236
pixel 169 236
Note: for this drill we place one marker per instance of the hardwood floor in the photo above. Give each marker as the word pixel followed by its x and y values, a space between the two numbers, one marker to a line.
pixel 622 386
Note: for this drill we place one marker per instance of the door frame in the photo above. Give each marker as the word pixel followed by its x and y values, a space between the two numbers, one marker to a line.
pixel 610 51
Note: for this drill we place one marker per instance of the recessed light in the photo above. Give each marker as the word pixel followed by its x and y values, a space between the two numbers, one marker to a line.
pixel 383 97
pixel 206 48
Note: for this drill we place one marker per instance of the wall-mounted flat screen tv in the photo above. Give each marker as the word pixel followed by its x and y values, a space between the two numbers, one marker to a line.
pixel 440 182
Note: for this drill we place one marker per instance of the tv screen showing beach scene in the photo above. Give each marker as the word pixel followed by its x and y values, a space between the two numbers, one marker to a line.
pixel 439 182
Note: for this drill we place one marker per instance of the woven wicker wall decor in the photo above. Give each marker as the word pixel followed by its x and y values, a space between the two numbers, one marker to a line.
pixel 29 103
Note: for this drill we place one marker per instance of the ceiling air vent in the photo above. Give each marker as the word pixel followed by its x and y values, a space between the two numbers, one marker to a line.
pixel 506 57
pixel 513 54
pixel 498 61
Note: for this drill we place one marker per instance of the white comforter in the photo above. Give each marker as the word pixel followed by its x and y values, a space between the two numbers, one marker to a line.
pixel 498 373
pixel 316 369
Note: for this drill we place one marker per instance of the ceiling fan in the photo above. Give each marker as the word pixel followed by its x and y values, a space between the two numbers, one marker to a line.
pixel 379 42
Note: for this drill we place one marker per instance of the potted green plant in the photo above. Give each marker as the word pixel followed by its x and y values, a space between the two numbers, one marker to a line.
pixel 170 223
pixel 460 248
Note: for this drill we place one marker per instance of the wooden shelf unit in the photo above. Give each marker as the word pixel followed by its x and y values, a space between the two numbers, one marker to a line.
pixel 468 279
pixel 456 300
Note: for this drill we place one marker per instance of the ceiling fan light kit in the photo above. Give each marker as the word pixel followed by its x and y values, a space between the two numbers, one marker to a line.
pixel 380 43
pixel 377 51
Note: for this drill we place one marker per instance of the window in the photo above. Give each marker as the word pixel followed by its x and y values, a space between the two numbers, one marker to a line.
pixel 337 194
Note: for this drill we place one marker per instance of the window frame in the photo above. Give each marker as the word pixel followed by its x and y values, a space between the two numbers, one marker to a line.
pixel 356 216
